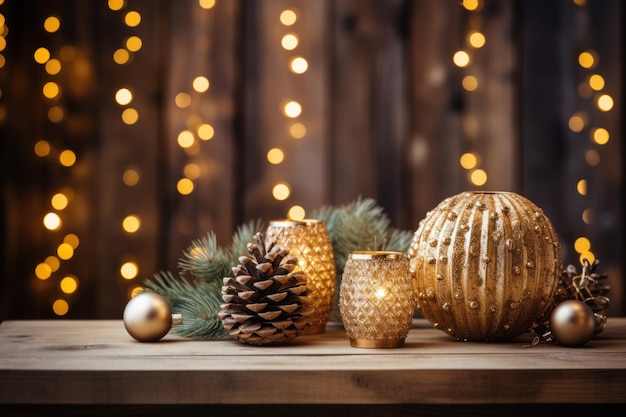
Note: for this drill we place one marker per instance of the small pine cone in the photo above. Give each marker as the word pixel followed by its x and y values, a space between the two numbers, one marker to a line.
pixel 264 299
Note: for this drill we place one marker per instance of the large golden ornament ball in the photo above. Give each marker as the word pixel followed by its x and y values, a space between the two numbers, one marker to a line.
pixel 572 323
pixel 485 266
pixel 147 317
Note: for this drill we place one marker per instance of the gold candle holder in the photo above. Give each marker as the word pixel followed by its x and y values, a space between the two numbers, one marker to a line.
pixel 376 299
pixel 308 240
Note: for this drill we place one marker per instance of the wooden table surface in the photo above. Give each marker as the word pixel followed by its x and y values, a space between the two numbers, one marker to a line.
pixel 97 362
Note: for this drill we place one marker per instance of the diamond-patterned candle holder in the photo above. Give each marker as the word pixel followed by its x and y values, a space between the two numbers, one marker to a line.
pixel 308 240
pixel 376 299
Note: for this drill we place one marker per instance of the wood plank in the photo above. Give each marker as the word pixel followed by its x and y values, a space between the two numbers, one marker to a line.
pixel 99 362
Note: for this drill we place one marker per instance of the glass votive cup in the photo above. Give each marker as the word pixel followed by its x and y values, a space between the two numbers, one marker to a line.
pixel 376 300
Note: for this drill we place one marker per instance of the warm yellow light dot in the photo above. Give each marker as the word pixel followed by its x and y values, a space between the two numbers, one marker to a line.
pixel 135 291
pixel 72 240
pixel 67 158
pixel 289 41
pixel 60 307
pixel 605 102
pixel 53 66
pixel 461 59
pixel 185 139
pixel 131 177
pixel 206 4
pixel 588 216
pixel 275 156
pixel 53 262
pixel 476 39
pixel 132 19
pixel 123 96
pixel 68 284
pixel 182 100
pixel 65 251
pixel 581 187
pixel 478 177
pixel 59 201
pixel 468 160
pixel 129 270
pixel 134 43
pixel 296 213
pixel 596 82
pixel 200 84
pixel 55 114
pixel 206 131
pixel 52 24
pixel 130 116
pixel 470 83
pixel 52 221
pixel 298 65
pixel 582 244
pixel 116 4
pixel 288 17
pixel 297 130
pixel 586 59
pixel 292 109
pixel 576 122
pixel 589 256
pixel 2 61
pixel 131 223
pixel 580 2
pixel 184 186
pixel 592 157
pixel 121 56
pixel 192 171
pixel 600 136
pixel 470 4
pixel 42 55
pixel 281 191
pixel 51 89
pixel 42 148
pixel 43 271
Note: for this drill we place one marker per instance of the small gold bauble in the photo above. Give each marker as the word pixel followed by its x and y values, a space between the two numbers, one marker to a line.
pixel 147 317
pixel 572 323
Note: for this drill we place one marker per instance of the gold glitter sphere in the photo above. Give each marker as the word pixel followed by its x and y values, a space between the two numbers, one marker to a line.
pixel 572 323
pixel 147 317
pixel 485 266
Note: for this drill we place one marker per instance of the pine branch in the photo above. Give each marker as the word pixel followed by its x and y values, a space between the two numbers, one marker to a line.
pixel 200 313
pixel 244 235
pixel 205 260
pixel 198 303
pixel 360 225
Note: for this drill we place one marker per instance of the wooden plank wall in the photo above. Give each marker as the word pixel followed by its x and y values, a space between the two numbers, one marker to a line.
pixel 385 113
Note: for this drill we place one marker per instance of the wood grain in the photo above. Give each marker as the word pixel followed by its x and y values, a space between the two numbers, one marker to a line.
pixel 97 362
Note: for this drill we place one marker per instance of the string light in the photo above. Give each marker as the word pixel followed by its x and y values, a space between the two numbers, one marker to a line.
pixel 475 39
pixel 592 83
pixel 291 109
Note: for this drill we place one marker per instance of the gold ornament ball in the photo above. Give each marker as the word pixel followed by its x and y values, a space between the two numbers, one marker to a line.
pixel 572 323
pixel 485 266
pixel 147 317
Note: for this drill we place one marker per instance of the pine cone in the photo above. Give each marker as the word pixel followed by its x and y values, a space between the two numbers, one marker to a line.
pixel 264 300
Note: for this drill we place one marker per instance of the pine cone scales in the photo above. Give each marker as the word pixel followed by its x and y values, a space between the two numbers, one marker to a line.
pixel 263 300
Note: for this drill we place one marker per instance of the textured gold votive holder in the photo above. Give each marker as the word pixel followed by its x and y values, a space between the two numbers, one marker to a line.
pixel 376 299
pixel 308 240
